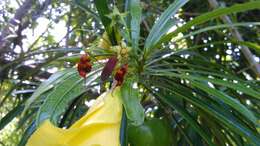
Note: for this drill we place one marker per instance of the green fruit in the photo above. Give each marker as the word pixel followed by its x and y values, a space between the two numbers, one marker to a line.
pixel 154 132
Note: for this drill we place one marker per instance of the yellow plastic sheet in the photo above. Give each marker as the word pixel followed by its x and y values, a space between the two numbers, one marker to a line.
pixel 99 127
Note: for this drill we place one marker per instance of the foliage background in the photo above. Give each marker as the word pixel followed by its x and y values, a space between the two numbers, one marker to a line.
pixel 49 36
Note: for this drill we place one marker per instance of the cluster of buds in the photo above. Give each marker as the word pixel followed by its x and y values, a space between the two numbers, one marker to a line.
pixel 122 51
pixel 119 76
pixel 84 66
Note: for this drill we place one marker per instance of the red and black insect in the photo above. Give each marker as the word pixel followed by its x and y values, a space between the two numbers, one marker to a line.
pixel 119 76
pixel 84 65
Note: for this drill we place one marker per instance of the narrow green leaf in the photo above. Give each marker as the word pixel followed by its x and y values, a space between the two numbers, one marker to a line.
pixel 234 103
pixel 209 16
pixel 123 130
pixel 103 11
pixel 136 14
pixel 26 135
pixel 187 117
pixel 220 114
pixel 217 27
pixel 251 45
pixel 131 102
pixel 128 16
pixel 11 115
pixel 197 70
pixel 58 100
pixel 236 86
pixel 25 118
pixel 56 96
pixel 225 118
pixel 156 31
pixel 47 85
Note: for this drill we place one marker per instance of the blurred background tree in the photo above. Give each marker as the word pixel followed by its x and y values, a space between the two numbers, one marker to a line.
pixel 39 38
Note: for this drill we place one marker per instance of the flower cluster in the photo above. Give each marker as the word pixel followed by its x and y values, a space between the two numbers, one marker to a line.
pixel 84 66
pixel 119 76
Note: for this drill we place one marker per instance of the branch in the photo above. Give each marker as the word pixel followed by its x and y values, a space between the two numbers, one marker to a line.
pixel 235 33
pixel 22 70
pixel 9 33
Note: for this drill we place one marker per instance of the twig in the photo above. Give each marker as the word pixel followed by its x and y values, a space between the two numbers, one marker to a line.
pixel 68 29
